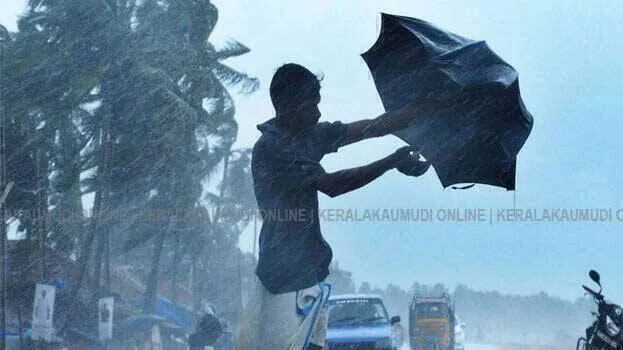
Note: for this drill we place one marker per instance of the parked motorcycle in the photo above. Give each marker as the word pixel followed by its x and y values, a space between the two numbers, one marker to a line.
pixel 606 332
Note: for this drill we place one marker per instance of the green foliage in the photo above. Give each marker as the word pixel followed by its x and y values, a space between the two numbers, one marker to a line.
pixel 127 101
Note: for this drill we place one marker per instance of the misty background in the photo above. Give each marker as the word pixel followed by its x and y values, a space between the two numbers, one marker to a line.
pixel 571 80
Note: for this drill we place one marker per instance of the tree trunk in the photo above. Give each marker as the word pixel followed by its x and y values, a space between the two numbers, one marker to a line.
pixel 97 263
pixel 106 207
pixel 20 327
pixel 177 256
pixel 197 290
pixel 151 290
pixel 217 215
pixel 85 252
pixel 102 253
pixel 42 206
pixel 94 223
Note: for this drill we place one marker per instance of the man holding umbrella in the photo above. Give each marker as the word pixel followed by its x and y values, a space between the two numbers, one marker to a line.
pixel 288 309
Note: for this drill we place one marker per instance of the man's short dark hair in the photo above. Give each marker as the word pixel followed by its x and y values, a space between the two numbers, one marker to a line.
pixel 291 85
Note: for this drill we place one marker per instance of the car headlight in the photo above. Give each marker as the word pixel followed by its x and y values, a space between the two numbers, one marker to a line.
pixel 383 344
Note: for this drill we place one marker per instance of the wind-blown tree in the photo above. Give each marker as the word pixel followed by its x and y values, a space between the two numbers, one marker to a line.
pixel 133 91
pixel 233 208
pixel 60 54
pixel 186 119
pixel 50 73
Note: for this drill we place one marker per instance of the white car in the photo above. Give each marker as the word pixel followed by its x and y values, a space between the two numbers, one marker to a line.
pixel 459 334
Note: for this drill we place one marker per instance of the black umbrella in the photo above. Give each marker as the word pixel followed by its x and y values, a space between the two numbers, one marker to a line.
pixel 476 121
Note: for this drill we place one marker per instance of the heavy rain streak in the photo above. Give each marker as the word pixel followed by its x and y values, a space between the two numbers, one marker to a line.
pixel 295 174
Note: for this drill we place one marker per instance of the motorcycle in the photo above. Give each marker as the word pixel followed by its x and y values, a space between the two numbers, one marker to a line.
pixel 606 332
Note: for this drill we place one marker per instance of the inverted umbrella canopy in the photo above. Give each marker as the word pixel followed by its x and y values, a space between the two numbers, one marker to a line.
pixel 475 121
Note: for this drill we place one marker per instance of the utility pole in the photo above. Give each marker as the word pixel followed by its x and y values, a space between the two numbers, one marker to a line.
pixel 4 38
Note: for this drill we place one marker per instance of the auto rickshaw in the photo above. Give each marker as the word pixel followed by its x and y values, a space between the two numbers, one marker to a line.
pixel 431 323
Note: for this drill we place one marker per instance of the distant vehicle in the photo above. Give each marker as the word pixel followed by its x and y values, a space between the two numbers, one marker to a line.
pixel 431 323
pixel 606 332
pixel 459 334
pixel 358 321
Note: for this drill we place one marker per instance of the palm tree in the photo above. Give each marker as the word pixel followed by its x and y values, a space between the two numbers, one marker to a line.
pixel 131 89
pixel 188 129
pixel 234 207
pixel 42 112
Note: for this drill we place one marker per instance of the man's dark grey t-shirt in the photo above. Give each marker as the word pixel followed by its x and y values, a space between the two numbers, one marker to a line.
pixel 293 254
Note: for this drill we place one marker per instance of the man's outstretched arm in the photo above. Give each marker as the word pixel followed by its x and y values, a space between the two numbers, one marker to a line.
pixel 344 181
pixel 384 124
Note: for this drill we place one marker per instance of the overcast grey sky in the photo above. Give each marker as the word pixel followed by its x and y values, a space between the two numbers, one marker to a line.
pixel 567 54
